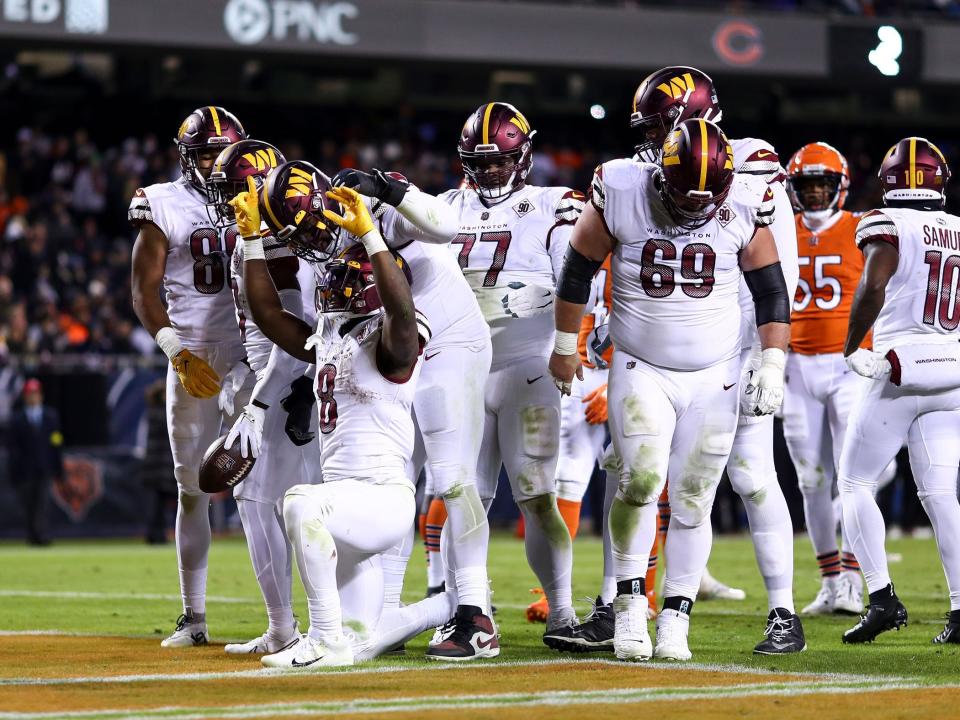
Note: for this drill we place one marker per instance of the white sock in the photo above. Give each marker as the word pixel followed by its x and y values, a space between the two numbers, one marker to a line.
pixel 937 492
pixel 632 530
pixel 469 535
pixel 394 565
pixel 193 544
pixel 772 532
pixel 549 551
pixel 270 554
pixel 436 573
pixel 866 531
pixel 608 589
pixel 400 624
pixel 687 549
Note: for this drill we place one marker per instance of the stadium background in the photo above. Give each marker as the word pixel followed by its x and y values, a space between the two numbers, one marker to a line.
pixel 92 91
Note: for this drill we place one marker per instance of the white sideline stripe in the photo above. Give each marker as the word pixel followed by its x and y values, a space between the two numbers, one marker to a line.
pixel 533 699
pixel 388 669
pixel 70 595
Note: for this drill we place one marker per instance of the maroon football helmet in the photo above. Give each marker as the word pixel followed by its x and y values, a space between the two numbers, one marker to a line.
pixel 915 170
pixel 207 128
pixel 696 172
pixel 496 150
pixel 665 99
pixel 292 201
pixel 348 286
pixel 228 178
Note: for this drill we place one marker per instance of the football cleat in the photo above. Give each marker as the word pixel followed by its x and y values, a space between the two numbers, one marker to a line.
pixel 188 633
pixel 713 589
pixel 538 610
pixel 594 633
pixel 950 634
pixel 264 645
pixel 784 634
pixel 879 618
pixel 823 603
pixel 849 594
pixel 442 632
pixel 631 639
pixel 673 627
pixel 309 654
pixel 472 637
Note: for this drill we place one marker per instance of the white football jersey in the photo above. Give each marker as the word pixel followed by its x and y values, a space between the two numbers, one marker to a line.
pixel 520 241
pixel 197 275
pixel 366 427
pixel 922 302
pixel 676 292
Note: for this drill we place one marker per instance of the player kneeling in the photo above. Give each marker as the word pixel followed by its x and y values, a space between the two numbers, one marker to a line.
pixel 367 354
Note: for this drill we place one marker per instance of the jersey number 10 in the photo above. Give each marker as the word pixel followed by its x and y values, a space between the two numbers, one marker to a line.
pixel 943 296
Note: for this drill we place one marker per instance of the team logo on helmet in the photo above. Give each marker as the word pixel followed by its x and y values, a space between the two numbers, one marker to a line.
pixel 678 87
pixel 228 178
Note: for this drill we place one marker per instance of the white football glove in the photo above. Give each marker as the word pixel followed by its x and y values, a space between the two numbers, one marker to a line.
pixel 762 388
pixel 231 385
pixel 598 343
pixel 523 301
pixel 867 363
pixel 249 429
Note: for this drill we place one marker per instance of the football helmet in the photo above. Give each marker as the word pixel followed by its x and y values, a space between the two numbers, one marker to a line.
pixel 915 170
pixel 695 173
pixel 207 128
pixel 347 285
pixel 229 175
pixel 292 200
pixel 496 150
pixel 818 179
pixel 665 99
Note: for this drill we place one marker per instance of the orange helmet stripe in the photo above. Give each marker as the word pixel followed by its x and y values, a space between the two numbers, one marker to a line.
pixel 486 123
pixel 216 119
pixel 704 147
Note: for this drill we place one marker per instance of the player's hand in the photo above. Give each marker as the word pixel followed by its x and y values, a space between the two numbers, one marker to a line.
pixel 299 408
pixel 522 301
pixel 246 208
pixel 867 363
pixel 763 388
pixel 596 410
pixel 196 376
pixel 356 218
pixel 562 369
pixel 249 430
pixel 376 184
pixel 231 385
pixel 599 343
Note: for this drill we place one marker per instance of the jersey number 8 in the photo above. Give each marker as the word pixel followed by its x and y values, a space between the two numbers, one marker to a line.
pixel 211 252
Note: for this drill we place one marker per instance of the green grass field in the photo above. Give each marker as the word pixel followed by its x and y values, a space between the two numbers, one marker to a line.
pixel 126 588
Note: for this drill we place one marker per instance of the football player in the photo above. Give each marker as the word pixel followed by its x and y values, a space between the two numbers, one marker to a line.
pixel 367 354
pixel 908 294
pixel 510 247
pixel 286 455
pixel 683 234
pixel 820 390
pixel 663 99
pixel 178 249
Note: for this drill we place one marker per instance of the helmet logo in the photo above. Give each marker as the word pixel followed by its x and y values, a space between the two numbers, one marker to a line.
pixel 301 182
pixel 262 159
pixel 521 122
pixel 678 87
pixel 671 149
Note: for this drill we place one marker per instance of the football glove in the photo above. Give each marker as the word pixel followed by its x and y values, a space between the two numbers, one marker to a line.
pixel 762 388
pixel 522 301
pixel 598 345
pixel 248 429
pixel 356 218
pixel 246 208
pixel 376 184
pixel 867 363
pixel 299 408
pixel 196 376
pixel 596 410
pixel 231 385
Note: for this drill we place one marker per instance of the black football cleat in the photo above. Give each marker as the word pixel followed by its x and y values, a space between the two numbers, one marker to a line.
pixel 879 618
pixel 783 634
pixel 950 634
pixel 595 633
pixel 473 636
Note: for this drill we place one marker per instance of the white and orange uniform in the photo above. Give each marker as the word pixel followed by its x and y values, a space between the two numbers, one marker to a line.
pixel 921 306
pixel 200 306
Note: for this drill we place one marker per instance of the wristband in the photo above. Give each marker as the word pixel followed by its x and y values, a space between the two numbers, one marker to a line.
pixel 565 343
pixel 169 342
pixel 373 242
pixel 253 249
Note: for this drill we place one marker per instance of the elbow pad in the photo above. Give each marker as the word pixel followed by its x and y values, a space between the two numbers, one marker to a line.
pixel 576 276
pixel 769 291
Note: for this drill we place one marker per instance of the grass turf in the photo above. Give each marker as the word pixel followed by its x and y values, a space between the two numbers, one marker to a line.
pixel 128 588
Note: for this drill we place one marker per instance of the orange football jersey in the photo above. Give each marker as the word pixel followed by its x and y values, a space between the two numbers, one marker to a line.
pixel 830 269
pixel 601 291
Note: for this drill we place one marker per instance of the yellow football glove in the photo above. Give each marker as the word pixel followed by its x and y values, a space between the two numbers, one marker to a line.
pixel 196 376
pixel 246 208
pixel 356 218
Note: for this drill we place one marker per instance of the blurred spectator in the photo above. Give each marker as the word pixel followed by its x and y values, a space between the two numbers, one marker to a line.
pixel 156 471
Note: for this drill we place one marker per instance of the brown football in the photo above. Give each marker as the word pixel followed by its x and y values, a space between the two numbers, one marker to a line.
pixel 221 469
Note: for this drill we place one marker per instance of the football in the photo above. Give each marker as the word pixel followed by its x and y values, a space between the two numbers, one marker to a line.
pixel 221 469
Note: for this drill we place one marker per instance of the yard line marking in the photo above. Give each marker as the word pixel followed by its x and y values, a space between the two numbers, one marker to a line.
pixel 445 702
pixel 74 595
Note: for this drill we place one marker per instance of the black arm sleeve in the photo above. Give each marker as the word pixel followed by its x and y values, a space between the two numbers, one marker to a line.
pixel 575 277
pixel 769 291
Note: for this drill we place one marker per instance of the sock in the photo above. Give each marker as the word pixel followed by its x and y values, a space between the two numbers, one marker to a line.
pixel 400 624
pixel 865 528
pixel 549 551
pixel 632 586
pixel 772 532
pixel 850 564
pixel 632 530
pixel 436 517
pixel 688 549
pixel 270 555
pixel 651 579
pixel 816 487
pixel 884 596
pixel 679 603
pixel 608 588
pixel 393 564
pixel 193 544
pixel 468 534
pixel 829 564
pixel 955 616
pixel 570 512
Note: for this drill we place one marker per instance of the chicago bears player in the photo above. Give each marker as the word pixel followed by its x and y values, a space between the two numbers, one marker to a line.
pixel 284 459
pixel 367 352
pixel 510 247
pixel 908 294
pixel 180 250
pixel 664 98
pixel 682 234
pixel 820 390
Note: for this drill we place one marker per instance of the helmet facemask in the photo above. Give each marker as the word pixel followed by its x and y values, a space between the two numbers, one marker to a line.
pixel 345 289
pixel 497 175
pixel 690 210
pixel 816 196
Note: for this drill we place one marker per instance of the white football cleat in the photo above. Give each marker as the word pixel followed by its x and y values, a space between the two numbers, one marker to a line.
pixel 849 595
pixel 264 645
pixel 308 654
pixel 823 603
pixel 672 630
pixel 631 639
pixel 442 632
pixel 187 634
pixel 713 589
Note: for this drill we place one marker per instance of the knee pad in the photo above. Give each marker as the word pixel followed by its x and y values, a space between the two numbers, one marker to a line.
pixel 846 485
pixel 691 494
pixel 640 483
pixel 540 429
pixel 431 409
pixel 813 479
